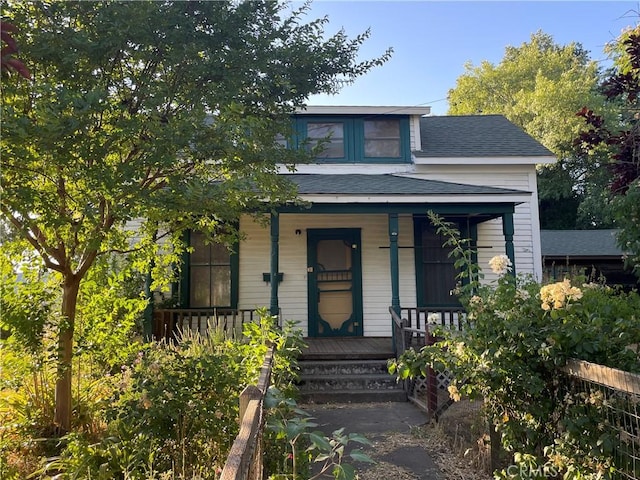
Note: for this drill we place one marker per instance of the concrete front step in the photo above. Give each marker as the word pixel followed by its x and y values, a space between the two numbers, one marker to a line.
pixel 344 367
pixel 336 381
pixel 354 396
pixel 346 382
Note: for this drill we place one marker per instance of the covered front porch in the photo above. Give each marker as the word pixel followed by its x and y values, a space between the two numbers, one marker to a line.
pixel 360 244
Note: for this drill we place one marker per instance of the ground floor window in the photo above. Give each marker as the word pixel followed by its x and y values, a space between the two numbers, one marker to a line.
pixel 436 273
pixel 210 274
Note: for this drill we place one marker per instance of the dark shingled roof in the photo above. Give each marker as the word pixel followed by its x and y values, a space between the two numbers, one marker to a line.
pixel 476 136
pixel 579 243
pixel 359 184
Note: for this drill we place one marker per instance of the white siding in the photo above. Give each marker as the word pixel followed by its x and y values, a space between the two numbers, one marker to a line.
pixel 376 283
pixel 414 129
pixel 526 238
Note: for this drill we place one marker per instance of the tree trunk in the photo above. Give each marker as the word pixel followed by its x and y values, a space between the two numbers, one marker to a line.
pixel 62 419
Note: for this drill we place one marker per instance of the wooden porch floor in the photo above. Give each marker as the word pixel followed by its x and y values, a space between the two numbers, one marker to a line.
pixel 348 348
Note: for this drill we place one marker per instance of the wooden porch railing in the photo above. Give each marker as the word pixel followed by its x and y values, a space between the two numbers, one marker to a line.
pixel 413 327
pixel 245 460
pixel 167 322
pixel 453 318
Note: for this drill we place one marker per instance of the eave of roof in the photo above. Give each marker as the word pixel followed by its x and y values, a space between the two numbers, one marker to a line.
pixel 388 185
pixel 363 110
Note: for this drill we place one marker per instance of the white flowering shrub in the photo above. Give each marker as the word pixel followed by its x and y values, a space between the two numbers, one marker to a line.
pixel 522 332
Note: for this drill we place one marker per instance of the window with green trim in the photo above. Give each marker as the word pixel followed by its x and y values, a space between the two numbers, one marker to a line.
pixel 382 139
pixel 436 272
pixel 330 135
pixel 210 274
pixel 352 139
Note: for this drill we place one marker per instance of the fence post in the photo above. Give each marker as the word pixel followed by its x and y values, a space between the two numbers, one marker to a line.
pixel 496 446
pixel 432 382
pixel 250 392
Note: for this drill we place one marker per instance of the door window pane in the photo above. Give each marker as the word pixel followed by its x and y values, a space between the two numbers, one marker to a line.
pixel 382 138
pixel 221 285
pixel 334 281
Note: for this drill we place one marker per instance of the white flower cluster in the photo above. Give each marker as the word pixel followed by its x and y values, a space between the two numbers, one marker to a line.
pixel 557 295
pixel 500 264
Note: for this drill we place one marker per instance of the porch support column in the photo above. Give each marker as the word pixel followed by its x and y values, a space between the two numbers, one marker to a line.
pixel 275 234
pixel 393 257
pixel 507 230
pixel 148 309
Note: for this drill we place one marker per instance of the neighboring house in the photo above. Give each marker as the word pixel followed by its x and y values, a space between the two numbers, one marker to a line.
pixel 363 242
pixel 592 253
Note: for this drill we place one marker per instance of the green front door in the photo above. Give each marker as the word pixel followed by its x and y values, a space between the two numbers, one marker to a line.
pixel 335 282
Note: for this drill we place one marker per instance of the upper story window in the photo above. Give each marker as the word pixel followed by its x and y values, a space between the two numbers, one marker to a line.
pixel 330 135
pixel 382 139
pixel 353 139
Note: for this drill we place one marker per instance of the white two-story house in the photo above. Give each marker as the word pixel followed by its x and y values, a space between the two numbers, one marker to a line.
pixel 362 242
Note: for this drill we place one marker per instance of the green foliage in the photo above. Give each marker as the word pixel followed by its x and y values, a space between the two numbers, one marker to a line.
pixel 172 413
pixel 520 333
pixel 288 343
pixel 110 312
pixel 540 86
pixel 627 208
pixel 292 428
pixel 27 295
pixel 185 398
pixel 616 141
pixel 161 116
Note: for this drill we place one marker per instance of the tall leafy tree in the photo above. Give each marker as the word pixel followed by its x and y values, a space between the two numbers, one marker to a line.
pixel 161 112
pixel 618 140
pixel 539 86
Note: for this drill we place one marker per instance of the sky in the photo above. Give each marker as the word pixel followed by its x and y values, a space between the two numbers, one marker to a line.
pixel 432 41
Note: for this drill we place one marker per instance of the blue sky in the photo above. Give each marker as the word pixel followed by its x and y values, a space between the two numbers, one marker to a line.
pixel 432 41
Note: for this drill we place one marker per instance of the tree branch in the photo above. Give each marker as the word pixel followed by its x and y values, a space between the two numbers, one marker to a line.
pixel 38 241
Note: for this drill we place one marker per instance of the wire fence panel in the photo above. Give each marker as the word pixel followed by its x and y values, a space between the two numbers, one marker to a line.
pixel 615 394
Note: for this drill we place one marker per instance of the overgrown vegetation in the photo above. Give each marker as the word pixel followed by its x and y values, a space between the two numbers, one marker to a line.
pixel 521 333
pixel 168 411
pixel 163 112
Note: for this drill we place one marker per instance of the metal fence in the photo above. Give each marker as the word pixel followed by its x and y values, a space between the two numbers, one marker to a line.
pixel 615 395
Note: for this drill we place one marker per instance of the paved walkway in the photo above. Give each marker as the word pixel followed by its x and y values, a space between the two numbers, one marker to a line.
pixel 378 422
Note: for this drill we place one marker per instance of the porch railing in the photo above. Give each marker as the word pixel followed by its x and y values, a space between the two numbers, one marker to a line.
pixel 413 328
pixel 453 318
pixel 228 322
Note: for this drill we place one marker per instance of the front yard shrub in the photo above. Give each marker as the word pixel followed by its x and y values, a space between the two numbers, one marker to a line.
pixel 520 333
pixel 175 409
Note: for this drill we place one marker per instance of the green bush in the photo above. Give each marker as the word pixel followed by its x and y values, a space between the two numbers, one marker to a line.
pixel 175 410
pixel 520 333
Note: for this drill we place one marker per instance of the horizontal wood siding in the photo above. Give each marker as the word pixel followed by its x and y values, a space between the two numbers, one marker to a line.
pixel 526 228
pixel 376 283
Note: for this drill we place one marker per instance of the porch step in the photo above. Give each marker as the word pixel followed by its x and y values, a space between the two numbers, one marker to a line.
pixel 348 381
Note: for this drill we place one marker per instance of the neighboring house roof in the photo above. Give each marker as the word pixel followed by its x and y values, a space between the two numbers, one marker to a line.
pixel 476 136
pixel 361 184
pixel 579 243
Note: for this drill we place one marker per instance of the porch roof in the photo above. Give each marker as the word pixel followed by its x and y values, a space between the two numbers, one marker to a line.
pixel 389 185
